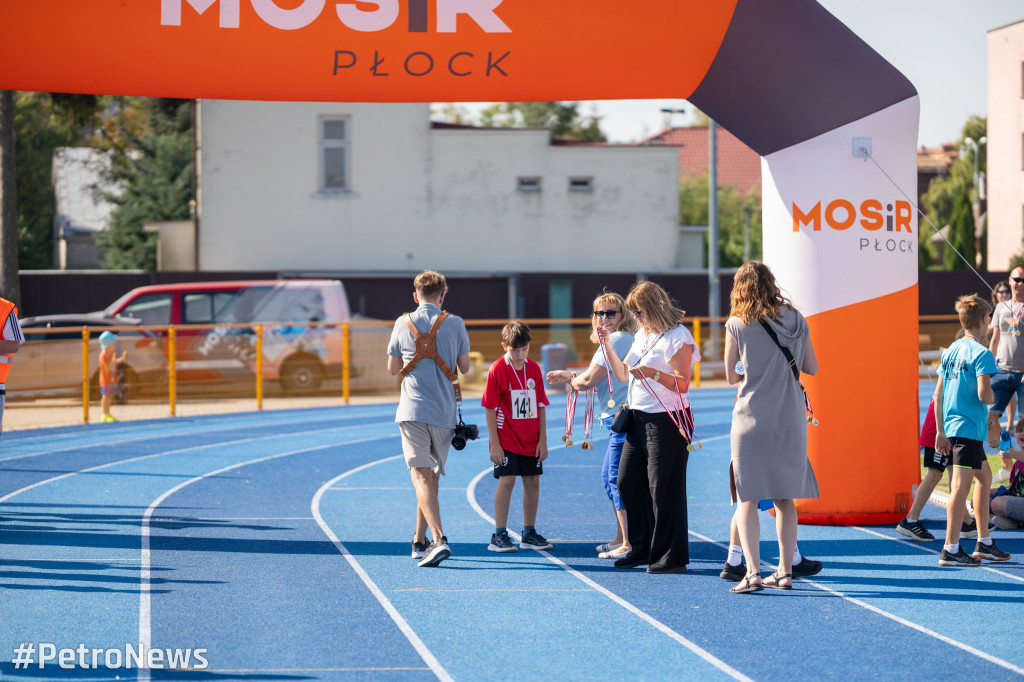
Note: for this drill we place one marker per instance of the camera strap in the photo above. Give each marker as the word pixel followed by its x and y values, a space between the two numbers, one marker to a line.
pixel 426 349
pixel 811 419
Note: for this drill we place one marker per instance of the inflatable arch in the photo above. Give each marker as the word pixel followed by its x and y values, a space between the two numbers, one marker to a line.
pixel 836 126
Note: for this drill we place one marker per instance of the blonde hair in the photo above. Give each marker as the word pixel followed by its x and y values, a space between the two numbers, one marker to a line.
pixel 972 310
pixel 756 294
pixel 659 312
pixel 430 284
pixel 627 323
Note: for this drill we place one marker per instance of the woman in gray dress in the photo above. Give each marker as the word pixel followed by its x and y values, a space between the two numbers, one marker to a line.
pixel 769 422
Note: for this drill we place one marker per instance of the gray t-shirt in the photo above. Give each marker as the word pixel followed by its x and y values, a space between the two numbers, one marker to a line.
pixel 1009 352
pixel 427 394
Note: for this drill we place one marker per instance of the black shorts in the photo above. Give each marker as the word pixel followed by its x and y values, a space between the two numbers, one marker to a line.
pixel 967 452
pixel 933 459
pixel 518 465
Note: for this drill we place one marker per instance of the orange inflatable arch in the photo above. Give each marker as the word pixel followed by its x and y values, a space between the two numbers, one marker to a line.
pixel 826 113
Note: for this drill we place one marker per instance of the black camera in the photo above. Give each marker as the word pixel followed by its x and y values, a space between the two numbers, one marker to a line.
pixel 464 432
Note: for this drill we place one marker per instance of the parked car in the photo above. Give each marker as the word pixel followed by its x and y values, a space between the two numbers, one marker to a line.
pixel 51 359
pixel 299 355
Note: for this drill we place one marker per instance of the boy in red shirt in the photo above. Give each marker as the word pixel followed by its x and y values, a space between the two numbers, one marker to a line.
pixel 516 402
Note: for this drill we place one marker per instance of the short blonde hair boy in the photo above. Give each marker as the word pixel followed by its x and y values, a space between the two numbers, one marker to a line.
pixel 972 310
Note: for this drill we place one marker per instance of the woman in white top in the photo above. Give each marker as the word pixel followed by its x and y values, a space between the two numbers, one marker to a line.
pixel 652 473
pixel 611 314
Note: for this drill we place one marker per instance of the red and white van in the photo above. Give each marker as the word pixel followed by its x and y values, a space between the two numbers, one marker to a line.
pixel 297 354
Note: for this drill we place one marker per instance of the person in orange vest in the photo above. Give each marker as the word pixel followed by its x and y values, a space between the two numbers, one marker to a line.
pixel 108 372
pixel 10 343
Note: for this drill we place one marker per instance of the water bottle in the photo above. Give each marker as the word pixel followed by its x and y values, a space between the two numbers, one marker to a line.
pixel 1004 441
pixel 739 367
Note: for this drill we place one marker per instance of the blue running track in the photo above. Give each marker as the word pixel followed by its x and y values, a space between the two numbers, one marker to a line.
pixel 279 543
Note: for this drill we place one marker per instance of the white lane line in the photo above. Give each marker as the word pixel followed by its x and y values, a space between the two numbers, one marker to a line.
pixel 402 624
pixel 917 545
pixel 702 653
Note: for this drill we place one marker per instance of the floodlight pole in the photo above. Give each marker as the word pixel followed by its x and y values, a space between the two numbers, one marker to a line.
pixel 714 296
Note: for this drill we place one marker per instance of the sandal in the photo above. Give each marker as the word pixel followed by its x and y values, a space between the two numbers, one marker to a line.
pixel 777 579
pixel 747 584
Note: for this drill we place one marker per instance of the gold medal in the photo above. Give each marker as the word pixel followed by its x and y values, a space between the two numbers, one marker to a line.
pixel 531 413
pixel 585 445
pixel 689 447
pixel 611 403
pixel 568 442
pixel 565 439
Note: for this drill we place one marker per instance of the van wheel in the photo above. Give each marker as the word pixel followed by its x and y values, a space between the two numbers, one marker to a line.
pixel 302 375
pixel 129 387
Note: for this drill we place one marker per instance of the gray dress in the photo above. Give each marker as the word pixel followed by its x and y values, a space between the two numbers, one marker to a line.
pixel 769 421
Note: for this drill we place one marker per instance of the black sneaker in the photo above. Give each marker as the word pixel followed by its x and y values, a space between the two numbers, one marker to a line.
pixel 806 568
pixel 419 549
pixel 437 552
pixel 534 540
pixel 969 531
pixel 501 542
pixel 734 573
pixel 989 552
pixel 915 531
pixel 961 558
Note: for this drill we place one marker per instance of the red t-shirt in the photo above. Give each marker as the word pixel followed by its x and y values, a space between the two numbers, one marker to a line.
pixel 928 430
pixel 514 396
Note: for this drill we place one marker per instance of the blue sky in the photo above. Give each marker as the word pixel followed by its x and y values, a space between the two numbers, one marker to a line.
pixel 940 45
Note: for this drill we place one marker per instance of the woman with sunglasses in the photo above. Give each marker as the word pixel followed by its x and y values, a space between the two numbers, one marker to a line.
pixel 1002 294
pixel 652 473
pixel 611 315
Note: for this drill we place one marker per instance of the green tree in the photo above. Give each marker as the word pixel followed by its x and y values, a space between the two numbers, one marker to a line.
pixel 563 118
pixel 940 200
pixel 153 161
pixel 733 212
pixel 961 236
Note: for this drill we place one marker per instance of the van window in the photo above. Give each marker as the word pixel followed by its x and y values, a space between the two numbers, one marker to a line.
pixel 152 309
pixel 203 308
pixel 274 304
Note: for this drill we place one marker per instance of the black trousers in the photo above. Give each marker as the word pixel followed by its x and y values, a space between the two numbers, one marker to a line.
pixel 652 483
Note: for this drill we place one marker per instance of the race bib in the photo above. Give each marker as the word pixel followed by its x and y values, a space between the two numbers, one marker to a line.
pixel 524 404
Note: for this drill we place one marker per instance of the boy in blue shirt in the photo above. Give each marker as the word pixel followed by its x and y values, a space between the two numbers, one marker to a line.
pixel 961 420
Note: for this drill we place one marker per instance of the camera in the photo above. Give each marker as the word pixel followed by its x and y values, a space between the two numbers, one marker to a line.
pixel 464 432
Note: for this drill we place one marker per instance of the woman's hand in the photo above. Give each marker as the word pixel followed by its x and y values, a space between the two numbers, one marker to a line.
pixel 558 377
pixel 642 371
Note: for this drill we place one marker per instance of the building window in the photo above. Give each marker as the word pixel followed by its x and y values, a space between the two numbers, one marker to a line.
pixel 528 183
pixel 581 184
pixel 334 154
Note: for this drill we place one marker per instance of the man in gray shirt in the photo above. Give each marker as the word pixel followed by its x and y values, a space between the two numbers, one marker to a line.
pixel 1007 345
pixel 426 409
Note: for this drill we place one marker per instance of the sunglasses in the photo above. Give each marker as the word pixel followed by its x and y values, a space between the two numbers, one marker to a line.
pixel 1018 280
pixel 605 313
pixel 637 313
pixel 1003 292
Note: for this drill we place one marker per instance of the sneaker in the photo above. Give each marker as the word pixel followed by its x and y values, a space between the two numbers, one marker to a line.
pixel 961 558
pixel 734 573
pixel 437 552
pixel 989 552
pixel 1003 523
pixel 534 540
pixel 1001 476
pixel 806 568
pixel 914 530
pixel 419 549
pixel 500 542
pixel 969 531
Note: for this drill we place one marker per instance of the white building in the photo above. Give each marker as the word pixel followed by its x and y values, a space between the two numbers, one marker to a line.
pixel 80 211
pixel 1005 146
pixel 377 187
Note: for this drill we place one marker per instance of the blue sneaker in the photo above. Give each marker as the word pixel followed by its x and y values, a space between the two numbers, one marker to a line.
pixel 534 540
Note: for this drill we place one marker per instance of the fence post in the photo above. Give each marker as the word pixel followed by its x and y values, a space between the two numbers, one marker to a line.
pixel 696 340
pixel 259 367
pixel 346 354
pixel 85 375
pixel 172 370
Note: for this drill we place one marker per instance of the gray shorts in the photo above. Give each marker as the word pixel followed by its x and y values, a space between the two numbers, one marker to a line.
pixel 425 445
pixel 1014 507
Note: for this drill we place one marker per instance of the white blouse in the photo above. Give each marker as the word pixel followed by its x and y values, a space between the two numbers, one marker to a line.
pixel 655 350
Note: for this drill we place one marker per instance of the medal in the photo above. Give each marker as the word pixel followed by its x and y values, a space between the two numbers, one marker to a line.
pixel 611 403
pixel 531 413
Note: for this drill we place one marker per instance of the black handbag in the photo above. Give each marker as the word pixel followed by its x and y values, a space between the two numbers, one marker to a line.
pixel 623 420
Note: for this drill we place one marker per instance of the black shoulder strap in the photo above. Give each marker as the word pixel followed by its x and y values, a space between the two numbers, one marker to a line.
pixel 785 351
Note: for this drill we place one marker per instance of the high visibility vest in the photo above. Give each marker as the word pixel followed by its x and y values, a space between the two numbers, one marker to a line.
pixel 6 308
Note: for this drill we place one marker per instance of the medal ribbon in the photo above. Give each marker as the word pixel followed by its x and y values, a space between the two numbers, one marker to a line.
pixel 570 412
pixel 1016 317
pixel 683 422
pixel 608 365
pixel 588 418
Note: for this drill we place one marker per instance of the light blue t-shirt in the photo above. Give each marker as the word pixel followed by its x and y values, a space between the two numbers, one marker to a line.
pixel 427 394
pixel 963 414
pixel 621 342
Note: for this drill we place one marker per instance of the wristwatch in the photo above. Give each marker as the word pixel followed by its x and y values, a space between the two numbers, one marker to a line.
pixel 657 375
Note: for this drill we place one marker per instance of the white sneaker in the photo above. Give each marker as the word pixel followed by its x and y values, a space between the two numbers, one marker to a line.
pixel 1001 476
